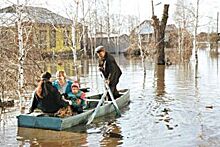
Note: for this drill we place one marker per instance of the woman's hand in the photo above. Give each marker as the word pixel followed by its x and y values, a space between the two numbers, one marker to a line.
pixel 70 102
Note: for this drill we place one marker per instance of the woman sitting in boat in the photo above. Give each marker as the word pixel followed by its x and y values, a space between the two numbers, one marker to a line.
pixel 62 84
pixel 46 97
pixel 76 98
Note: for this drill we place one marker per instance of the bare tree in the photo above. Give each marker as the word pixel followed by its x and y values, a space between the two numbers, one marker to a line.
pixel 195 30
pixel 184 18
pixel 21 54
pixel 159 28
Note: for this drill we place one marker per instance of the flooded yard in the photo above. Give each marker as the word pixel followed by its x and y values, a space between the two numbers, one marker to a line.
pixel 177 105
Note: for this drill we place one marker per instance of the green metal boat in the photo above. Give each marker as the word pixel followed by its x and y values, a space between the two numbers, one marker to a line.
pixel 39 120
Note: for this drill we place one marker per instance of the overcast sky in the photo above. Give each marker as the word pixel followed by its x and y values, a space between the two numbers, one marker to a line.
pixel 140 8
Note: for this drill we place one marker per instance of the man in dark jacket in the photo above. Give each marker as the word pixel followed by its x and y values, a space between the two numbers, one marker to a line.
pixel 46 97
pixel 109 68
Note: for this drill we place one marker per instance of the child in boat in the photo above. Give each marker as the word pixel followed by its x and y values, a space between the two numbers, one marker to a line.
pixel 76 98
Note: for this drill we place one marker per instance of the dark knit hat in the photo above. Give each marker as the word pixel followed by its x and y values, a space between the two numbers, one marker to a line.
pixel 46 76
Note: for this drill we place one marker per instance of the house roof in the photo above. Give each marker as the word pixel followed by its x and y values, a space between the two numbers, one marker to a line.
pixel 105 35
pixel 9 19
pixel 146 27
pixel 36 15
pixel 171 27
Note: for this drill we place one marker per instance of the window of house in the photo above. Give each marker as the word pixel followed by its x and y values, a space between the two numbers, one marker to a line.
pixel 66 38
pixel 53 38
pixel 43 39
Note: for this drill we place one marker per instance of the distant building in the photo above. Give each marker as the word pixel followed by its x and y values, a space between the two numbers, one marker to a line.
pixel 44 29
pixel 146 31
pixel 116 44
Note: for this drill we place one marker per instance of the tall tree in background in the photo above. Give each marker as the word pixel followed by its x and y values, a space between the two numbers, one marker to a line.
pixel 184 18
pixel 159 27
pixel 21 57
pixel 195 30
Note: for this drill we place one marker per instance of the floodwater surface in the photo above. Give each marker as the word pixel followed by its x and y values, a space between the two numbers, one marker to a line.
pixel 177 105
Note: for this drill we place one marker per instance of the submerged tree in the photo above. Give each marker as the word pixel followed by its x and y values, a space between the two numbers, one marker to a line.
pixel 159 30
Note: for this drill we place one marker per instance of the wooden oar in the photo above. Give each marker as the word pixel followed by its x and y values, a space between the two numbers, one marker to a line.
pixel 118 113
pixel 97 108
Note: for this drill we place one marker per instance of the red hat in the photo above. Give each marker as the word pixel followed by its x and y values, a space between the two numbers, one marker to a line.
pixel 75 84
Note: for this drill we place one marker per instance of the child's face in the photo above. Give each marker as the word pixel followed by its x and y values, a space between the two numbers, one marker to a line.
pixel 75 90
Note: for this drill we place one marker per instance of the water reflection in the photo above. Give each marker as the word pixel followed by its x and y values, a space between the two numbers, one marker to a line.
pixel 112 136
pixel 160 79
pixel 169 107
pixel 145 73
pixel 70 68
pixel 39 137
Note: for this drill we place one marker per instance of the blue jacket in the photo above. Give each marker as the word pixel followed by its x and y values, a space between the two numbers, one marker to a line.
pixel 68 87
pixel 80 95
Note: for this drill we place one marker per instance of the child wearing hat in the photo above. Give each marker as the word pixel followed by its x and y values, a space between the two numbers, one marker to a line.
pixel 77 98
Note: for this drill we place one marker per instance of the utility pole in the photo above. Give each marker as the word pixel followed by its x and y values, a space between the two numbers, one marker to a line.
pixel 96 20
pixel 217 33
pixel 155 35
pixel 84 31
pixel 195 31
pixel 152 4
pixel 108 23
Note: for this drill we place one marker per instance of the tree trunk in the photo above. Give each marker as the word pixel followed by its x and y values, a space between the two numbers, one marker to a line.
pixel 21 56
pixel 195 31
pixel 84 31
pixel 159 28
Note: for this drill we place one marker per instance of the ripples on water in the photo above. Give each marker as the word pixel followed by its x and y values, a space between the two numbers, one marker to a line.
pixel 169 107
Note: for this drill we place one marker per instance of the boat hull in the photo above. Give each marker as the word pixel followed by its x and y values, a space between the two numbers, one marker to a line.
pixel 56 123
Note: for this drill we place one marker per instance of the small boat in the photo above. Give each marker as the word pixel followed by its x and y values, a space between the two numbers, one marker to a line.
pixel 39 120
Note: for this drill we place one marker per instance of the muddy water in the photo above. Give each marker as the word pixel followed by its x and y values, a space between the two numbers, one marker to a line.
pixel 170 106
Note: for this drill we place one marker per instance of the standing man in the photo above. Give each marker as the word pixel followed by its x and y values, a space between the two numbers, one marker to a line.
pixel 109 68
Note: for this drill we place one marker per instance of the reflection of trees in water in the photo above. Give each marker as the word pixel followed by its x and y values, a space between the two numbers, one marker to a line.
pixel 199 118
pixel 159 80
pixel 39 137
pixel 145 73
pixel 214 58
pixel 112 135
pixel 162 112
pixel 69 67
pixel 84 70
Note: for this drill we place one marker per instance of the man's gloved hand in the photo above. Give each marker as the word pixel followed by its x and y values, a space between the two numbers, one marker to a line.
pixel 107 82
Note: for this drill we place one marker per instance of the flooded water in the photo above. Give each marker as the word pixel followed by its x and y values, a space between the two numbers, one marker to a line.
pixel 177 105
